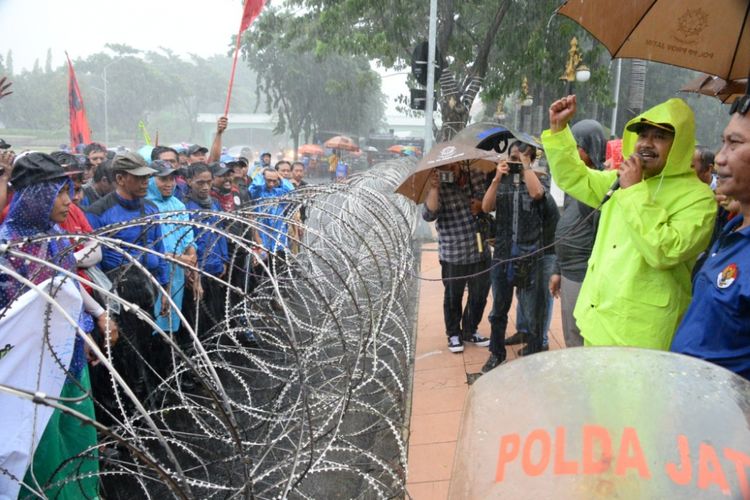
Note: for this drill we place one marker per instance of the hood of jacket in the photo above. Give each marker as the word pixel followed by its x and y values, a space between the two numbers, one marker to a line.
pixel 589 135
pixel 678 114
pixel 164 203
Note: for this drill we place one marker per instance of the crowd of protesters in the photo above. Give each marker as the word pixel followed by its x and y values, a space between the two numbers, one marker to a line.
pixel 637 238
pixel 188 253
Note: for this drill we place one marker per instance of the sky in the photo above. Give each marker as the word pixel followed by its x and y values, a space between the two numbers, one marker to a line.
pixel 83 27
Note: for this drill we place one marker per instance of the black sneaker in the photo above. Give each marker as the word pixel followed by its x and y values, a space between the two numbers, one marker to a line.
pixel 517 338
pixel 455 344
pixel 493 362
pixel 478 340
pixel 529 350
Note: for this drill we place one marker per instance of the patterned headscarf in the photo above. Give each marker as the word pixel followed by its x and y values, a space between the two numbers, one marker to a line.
pixel 28 216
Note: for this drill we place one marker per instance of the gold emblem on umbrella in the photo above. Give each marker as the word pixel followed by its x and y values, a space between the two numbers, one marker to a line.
pixel 690 25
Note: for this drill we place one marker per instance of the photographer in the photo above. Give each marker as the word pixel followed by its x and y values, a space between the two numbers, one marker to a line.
pixel 517 196
pixel 453 202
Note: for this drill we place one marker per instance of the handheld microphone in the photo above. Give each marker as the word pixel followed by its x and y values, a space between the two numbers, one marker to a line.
pixel 614 187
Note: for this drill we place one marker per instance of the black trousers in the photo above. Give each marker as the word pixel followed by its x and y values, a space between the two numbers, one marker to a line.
pixel 460 320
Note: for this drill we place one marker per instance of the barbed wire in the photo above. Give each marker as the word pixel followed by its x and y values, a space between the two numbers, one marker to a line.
pixel 296 390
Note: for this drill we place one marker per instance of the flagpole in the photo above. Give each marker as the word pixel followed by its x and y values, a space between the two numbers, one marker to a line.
pixel 234 66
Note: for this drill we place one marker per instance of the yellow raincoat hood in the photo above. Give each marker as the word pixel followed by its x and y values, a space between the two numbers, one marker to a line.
pixel 678 114
pixel 637 283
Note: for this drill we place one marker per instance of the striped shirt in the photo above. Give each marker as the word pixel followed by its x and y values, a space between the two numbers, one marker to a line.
pixel 456 226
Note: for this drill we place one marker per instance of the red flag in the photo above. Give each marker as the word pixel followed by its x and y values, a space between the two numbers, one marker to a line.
pixel 80 133
pixel 252 10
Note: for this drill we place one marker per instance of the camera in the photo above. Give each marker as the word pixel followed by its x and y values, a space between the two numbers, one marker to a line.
pixel 446 176
pixel 515 167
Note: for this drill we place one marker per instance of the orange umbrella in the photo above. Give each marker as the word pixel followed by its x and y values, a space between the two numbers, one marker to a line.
pixel 710 36
pixel 310 149
pixel 714 86
pixel 398 148
pixel 445 153
pixel 341 142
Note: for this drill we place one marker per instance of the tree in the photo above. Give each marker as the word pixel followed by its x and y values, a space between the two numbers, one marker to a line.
pixel 48 62
pixel 485 45
pixel 39 101
pixel 135 89
pixel 308 93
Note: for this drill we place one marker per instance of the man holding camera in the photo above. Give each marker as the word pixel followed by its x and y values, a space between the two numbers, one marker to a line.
pixel 453 202
pixel 517 196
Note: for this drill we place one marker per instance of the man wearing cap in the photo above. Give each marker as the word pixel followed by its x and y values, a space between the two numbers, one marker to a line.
pixel 637 284
pixel 197 154
pixel 125 203
pixel 171 156
pixel 222 189
pixel 239 168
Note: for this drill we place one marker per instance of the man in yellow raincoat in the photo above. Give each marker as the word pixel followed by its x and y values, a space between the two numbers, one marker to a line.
pixel 637 283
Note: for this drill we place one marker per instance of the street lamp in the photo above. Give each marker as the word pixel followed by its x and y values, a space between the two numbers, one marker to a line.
pixel 499 114
pixel 106 107
pixel 574 70
pixel 527 100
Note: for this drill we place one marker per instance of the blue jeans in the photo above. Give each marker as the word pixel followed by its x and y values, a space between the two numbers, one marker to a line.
pixel 522 324
pixel 530 297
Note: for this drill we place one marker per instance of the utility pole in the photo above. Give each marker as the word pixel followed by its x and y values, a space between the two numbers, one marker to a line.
pixel 613 124
pixel 429 98
pixel 106 111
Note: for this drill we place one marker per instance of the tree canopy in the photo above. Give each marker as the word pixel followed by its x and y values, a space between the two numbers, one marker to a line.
pixel 310 92
pixel 484 45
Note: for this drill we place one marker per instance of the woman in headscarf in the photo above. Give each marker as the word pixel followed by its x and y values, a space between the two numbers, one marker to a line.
pixel 42 196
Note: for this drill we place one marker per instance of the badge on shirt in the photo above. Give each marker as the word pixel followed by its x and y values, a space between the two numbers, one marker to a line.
pixel 727 276
pixel 237 201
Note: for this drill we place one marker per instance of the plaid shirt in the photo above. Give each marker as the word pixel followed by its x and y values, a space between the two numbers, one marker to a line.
pixel 456 226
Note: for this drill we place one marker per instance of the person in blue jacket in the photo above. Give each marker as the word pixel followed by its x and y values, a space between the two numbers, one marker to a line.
pixel 273 232
pixel 126 203
pixel 211 246
pixel 716 326
pixel 258 184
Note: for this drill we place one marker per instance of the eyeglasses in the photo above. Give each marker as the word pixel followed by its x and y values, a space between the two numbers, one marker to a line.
pixel 740 105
